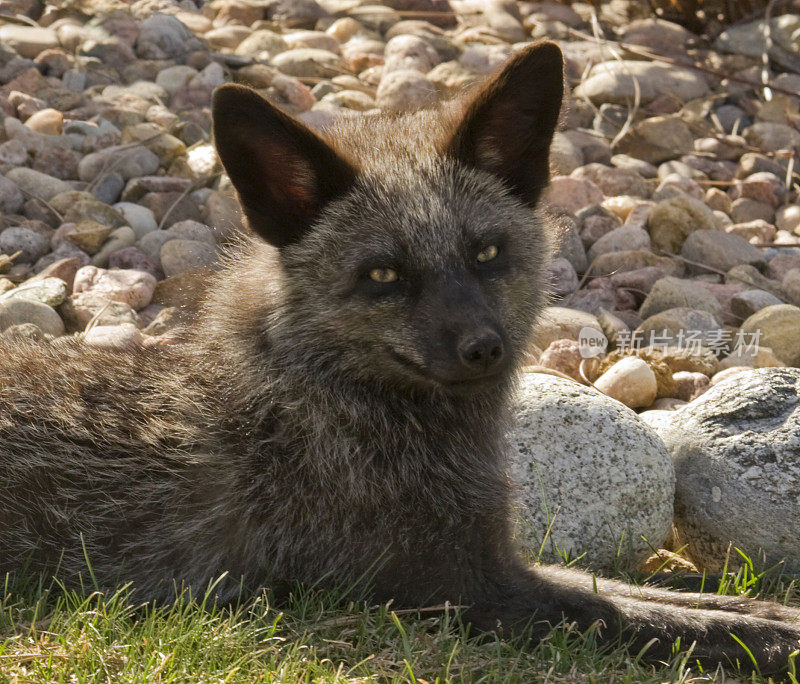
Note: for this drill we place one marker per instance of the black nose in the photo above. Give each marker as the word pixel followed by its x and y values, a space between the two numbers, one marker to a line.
pixel 481 352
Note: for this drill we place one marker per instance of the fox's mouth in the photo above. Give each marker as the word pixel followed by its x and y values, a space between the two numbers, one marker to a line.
pixel 466 385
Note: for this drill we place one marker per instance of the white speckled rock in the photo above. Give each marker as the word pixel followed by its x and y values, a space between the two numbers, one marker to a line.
pixel 737 459
pixel 593 465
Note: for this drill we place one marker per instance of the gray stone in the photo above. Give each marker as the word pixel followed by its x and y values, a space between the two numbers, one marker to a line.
pixel 720 250
pixel 562 277
pixel 11 197
pixel 163 36
pixel 675 327
pixel 620 239
pixel 20 310
pixel 599 482
pixel 405 89
pixel 139 218
pixel 50 291
pixel 31 244
pixel 745 304
pixel 129 162
pixel 615 82
pixel 671 293
pixel 737 462
pixel 180 255
pixel 37 183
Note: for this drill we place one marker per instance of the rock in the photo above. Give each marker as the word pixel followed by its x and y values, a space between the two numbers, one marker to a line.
pixel 79 309
pixel 620 239
pixel 134 288
pixel 744 356
pixel 744 210
pixel 689 386
pixel 90 209
pixel 89 236
pixel 563 356
pixel 24 331
pixel 786 218
pixel 745 304
pixel 557 323
pixel 720 250
pixel 129 162
pixel 657 35
pixel 405 89
pixel 671 293
pixel 562 277
pixel 772 137
pixel 119 239
pixel 11 197
pixel 749 39
pixel 184 290
pixel 179 255
pixel 643 168
pixel 614 181
pixel 631 381
pixel 139 218
pixel 735 455
pixel 753 231
pixel 163 36
pixel 614 263
pixel 680 326
pixel 36 183
pixel 122 336
pixel 750 276
pixel 616 82
pixel 50 291
pixel 16 311
pixel 672 220
pixel 309 63
pixel 30 244
pixel 657 139
pixel 674 185
pixel 134 259
pixel 572 194
pixel 565 155
pixel 602 481
pixel 776 327
pixel 27 41
pixel 63 269
pixel 568 243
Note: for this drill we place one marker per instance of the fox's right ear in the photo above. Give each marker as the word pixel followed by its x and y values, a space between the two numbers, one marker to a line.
pixel 283 173
pixel 508 127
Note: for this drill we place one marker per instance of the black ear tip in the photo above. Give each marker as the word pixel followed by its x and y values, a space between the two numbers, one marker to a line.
pixel 232 97
pixel 543 55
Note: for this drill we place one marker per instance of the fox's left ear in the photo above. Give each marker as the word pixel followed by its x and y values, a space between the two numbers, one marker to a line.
pixel 508 127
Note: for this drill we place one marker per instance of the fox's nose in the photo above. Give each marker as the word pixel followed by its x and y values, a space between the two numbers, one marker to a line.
pixel 481 352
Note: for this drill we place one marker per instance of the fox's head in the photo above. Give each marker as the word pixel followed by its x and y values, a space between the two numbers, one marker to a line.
pixel 407 250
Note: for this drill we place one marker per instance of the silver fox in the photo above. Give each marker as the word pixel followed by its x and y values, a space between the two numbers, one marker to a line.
pixel 337 410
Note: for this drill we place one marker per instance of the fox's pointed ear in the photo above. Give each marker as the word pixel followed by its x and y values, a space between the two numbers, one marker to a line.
pixel 508 127
pixel 283 173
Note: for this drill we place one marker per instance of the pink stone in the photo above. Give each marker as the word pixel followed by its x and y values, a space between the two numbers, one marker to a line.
pixel 134 288
pixel 573 194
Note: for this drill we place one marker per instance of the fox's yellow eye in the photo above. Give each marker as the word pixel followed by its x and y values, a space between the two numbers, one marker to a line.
pixel 383 275
pixel 487 254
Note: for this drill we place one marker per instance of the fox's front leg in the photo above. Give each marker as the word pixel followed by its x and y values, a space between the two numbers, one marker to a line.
pixel 536 599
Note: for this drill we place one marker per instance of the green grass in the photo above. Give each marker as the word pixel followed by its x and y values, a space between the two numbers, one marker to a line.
pixel 48 634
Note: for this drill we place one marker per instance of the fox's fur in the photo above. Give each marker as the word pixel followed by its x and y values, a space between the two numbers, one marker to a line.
pixel 317 425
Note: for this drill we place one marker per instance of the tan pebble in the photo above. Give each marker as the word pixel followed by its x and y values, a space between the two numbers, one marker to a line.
pixel 47 121
pixel 728 373
pixel 630 381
